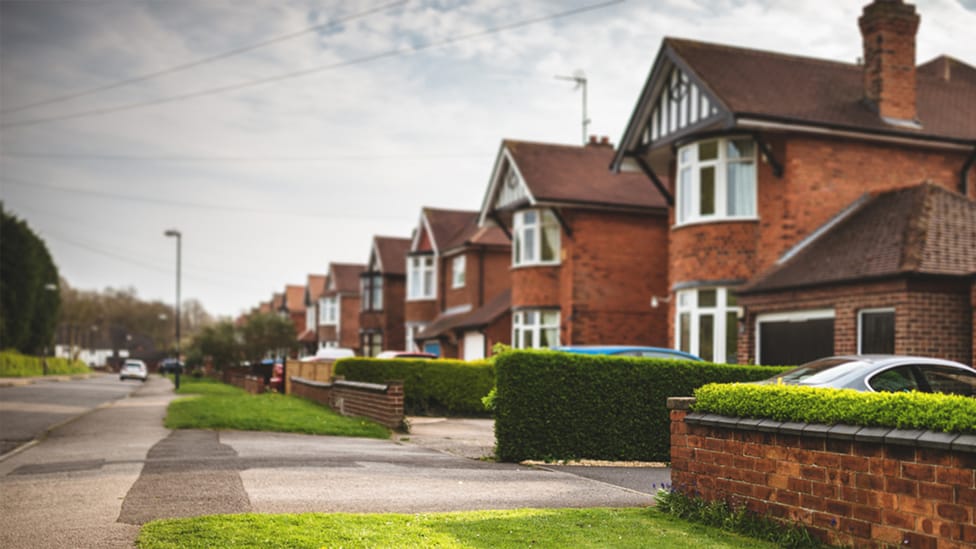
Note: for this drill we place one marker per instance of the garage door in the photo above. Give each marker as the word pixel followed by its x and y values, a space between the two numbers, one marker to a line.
pixel 474 345
pixel 795 338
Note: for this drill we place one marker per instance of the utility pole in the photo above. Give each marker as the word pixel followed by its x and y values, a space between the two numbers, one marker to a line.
pixel 179 240
pixel 580 79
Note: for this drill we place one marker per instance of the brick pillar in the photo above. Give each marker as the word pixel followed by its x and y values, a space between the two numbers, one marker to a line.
pixel 394 396
pixel 888 29
pixel 681 451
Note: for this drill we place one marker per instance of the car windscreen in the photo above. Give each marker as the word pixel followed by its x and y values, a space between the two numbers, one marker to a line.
pixel 820 371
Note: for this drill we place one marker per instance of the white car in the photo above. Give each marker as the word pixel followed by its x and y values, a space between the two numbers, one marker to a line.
pixel 134 369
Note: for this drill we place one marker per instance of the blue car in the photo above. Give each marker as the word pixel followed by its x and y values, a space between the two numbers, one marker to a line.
pixel 628 350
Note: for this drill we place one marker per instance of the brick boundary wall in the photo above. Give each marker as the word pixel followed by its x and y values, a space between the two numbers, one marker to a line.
pixel 849 485
pixel 383 403
pixel 251 384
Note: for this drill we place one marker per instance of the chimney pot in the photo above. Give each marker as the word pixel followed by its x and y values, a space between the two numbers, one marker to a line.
pixel 593 140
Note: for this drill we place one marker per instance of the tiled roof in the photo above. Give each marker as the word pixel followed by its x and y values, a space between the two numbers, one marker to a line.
pixel 477 318
pixel 814 91
pixel 295 298
pixel 316 285
pixel 346 276
pixel 277 301
pixel 576 174
pixel 924 229
pixel 392 254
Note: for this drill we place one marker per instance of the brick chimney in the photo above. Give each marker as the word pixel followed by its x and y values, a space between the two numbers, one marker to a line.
pixel 888 30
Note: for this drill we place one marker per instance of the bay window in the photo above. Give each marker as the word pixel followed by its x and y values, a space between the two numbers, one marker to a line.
pixel 535 240
pixel 535 328
pixel 716 180
pixel 707 324
pixel 421 277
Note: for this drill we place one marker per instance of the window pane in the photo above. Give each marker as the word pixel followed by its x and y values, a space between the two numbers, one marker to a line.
pixel 731 299
pixel 740 188
pixel 516 338
pixel 684 194
pixel 548 337
pixel 684 329
pixel 428 283
pixel 731 337
pixel 528 244
pixel 706 337
pixel 529 217
pixel 550 241
pixel 708 150
pixel 878 332
pixel 740 148
pixel 550 318
pixel 707 298
pixel 707 198
pixel 529 318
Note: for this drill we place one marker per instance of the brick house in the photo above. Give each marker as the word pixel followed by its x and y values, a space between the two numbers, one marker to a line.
pixel 338 323
pixel 589 250
pixel 309 338
pixel 454 270
pixel 383 293
pixel 773 158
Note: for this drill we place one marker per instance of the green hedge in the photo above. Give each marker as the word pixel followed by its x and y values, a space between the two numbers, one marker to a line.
pixel 430 387
pixel 552 405
pixel 936 412
pixel 14 364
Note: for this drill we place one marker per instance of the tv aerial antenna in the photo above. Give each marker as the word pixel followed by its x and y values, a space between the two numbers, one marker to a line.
pixel 580 79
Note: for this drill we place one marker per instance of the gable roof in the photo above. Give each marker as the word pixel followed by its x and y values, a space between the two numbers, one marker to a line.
pixel 391 254
pixel 345 277
pixel 439 228
pixel 924 229
pixel 567 175
pixel 774 87
pixel 314 288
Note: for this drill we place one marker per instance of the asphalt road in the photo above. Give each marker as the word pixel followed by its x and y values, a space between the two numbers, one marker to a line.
pixel 94 480
pixel 28 411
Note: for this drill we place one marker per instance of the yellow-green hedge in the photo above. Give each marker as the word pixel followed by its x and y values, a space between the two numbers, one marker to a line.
pixel 14 364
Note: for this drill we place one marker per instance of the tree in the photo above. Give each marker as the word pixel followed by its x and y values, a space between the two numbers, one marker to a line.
pixel 268 333
pixel 29 297
pixel 221 342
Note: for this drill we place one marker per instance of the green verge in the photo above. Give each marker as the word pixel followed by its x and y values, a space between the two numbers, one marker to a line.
pixel 578 528
pixel 14 364
pixel 935 412
pixel 221 406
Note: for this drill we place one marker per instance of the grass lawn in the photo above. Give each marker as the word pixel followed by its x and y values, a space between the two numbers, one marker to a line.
pixel 216 405
pixel 598 528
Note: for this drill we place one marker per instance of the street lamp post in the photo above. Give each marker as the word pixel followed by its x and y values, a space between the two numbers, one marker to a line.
pixel 179 238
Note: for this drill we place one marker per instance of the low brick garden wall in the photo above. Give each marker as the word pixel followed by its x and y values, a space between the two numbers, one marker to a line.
pixel 383 403
pixel 849 485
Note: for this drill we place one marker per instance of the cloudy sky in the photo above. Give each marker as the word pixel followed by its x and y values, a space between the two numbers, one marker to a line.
pixel 281 135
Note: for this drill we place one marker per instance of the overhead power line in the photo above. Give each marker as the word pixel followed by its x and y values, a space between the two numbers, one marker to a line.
pixel 202 61
pixel 235 159
pixel 305 72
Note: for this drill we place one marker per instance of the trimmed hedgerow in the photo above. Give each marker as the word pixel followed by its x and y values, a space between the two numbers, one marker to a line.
pixel 935 412
pixel 552 405
pixel 430 387
pixel 15 364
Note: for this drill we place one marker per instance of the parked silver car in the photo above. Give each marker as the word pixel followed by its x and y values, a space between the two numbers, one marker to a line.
pixel 883 373
pixel 134 369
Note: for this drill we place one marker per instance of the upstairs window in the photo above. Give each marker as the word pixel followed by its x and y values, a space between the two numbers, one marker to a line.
pixel 535 238
pixel 716 180
pixel 328 311
pixel 371 292
pixel 421 277
pixel 457 272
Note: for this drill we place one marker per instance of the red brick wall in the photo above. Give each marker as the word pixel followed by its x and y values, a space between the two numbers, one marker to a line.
pixel 499 331
pixel 614 263
pixel 328 333
pixel 535 286
pixel 349 322
pixel 482 266
pixel 847 492
pixel 420 311
pixel 381 403
pixel 389 321
pixel 932 318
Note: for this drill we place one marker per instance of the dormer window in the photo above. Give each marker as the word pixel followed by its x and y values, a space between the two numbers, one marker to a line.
pixel 535 238
pixel 421 277
pixel 716 181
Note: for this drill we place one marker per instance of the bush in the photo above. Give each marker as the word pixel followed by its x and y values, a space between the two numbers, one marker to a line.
pixel 936 412
pixel 14 364
pixel 430 387
pixel 552 405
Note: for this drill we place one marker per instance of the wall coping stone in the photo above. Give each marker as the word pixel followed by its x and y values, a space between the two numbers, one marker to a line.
pixel 374 387
pixel 680 403
pixel 880 435
pixel 310 382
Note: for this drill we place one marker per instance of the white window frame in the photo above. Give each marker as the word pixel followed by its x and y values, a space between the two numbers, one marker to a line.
pixel 310 317
pixel 531 255
pixel 458 268
pixel 688 186
pixel 329 311
pixel 420 270
pixel 687 303
pixel 531 323
pixel 860 322
pixel 412 329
